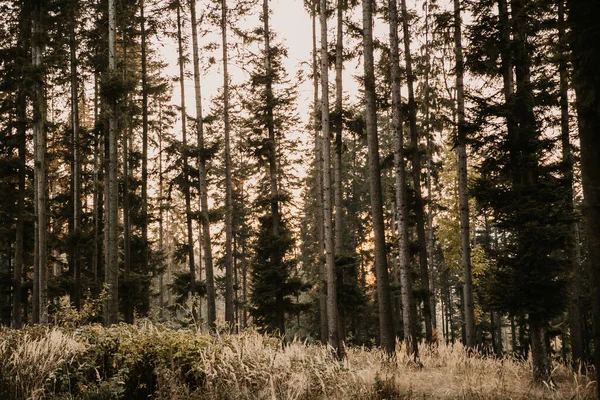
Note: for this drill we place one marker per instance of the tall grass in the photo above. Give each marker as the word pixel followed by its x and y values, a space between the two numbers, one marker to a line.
pixel 152 360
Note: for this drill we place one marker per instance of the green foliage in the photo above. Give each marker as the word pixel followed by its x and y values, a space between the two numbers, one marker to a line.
pixel 273 282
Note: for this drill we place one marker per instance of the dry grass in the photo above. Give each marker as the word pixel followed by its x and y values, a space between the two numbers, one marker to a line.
pixel 34 356
pixel 185 364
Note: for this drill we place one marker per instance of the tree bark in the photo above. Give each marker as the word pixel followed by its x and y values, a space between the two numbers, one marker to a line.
pixel 39 133
pixel 229 315
pixel 21 105
pixel 206 238
pixel 144 67
pixel 186 182
pixel 416 173
pixel 128 302
pixel 319 217
pixel 463 197
pixel 76 189
pixel 428 129
pixel 332 309
pixel 585 44
pixel 112 202
pixel 409 310
pixel 386 328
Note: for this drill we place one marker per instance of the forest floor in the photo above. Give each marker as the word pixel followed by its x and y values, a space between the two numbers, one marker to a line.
pixel 155 361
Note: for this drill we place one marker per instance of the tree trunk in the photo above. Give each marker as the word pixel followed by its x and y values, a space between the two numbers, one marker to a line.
pixel 409 310
pixel 428 129
pixel 98 194
pixel 161 248
pixel 539 350
pixel 39 133
pixel 463 197
pixel 206 239
pixel 386 328
pixel 319 217
pixel 228 203
pixel 332 309
pixel 572 245
pixel 337 160
pixel 76 189
pixel 186 184
pixel 585 43
pixel 112 191
pixel 24 35
pixel 416 172
pixel 144 62
pixel 128 300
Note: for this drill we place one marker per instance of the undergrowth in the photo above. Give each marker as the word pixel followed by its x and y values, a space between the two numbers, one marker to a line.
pixel 155 361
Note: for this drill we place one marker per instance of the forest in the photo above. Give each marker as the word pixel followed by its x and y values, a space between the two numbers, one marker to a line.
pixel 300 199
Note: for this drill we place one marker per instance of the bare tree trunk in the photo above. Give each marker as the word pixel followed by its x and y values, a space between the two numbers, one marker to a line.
pixel 206 240
pixel 337 160
pixel 332 309
pixel 463 197
pixel 144 62
pixel 386 328
pixel 338 125
pixel 574 308
pixel 228 203
pixel 75 258
pixel 39 133
pixel 98 195
pixel 21 105
pixel 161 247
pixel 112 191
pixel 128 302
pixel 416 161
pixel 319 217
pixel 409 311
pixel 428 129
pixel 186 184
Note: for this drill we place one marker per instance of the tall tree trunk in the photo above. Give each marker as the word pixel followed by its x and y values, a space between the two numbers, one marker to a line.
pixel 386 328
pixel 585 43
pixel 98 151
pixel 39 133
pixel 186 181
pixel 428 129
pixel 332 309
pixel 463 197
pixel 274 191
pixel 144 66
pixel 111 270
pixel 572 245
pixel 228 203
pixel 337 160
pixel 409 310
pixel 206 240
pixel 128 300
pixel 161 247
pixel 24 35
pixel 416 173
pixel 319 213
pixel 76 189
